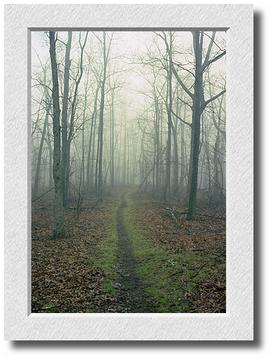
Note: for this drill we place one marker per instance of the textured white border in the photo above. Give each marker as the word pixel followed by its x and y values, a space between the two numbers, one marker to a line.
pixel 237 323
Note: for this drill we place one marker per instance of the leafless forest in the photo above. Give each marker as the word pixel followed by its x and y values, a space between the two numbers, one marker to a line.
pixel 128 171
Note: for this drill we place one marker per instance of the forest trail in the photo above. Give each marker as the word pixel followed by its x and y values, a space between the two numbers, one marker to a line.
pixel 131 296
pixel 126 255
pixel 129 171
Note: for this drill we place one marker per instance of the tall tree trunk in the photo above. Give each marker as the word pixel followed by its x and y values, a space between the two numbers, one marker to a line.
pixel 50 151
pixel 124 153
pixel 196 118
pixel 72 118
pixel 175 155
pixel 64 116
pixel 198 106
pixel 157 145
pixel 183 169
pixel 112 142
pixel 169 115
pixel 90 153
pixel 37 173
pixel 101 122
pixel 83 144
pixel 207 151
pixel 93 165
pixel 58 227
pixel 162 174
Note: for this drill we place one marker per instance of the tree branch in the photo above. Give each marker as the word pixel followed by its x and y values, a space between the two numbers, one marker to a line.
pixel 179 118
pixel 181 82
pixel 205 65
pixel 213 98
pixel 184 102
pixel 209 48
pixel 185 69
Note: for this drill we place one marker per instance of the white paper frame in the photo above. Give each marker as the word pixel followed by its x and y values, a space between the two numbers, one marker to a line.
pixel 237 323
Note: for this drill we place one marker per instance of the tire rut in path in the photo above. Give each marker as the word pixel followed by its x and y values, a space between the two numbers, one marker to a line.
pixel 131 295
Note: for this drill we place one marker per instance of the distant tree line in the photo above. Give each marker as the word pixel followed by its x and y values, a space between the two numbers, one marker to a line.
pixel 86 140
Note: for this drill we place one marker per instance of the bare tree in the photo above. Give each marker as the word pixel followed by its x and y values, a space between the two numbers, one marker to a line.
pixel 65 157
pixel 72 118
pixel 58 229
pixel 198 106
pixel 106 51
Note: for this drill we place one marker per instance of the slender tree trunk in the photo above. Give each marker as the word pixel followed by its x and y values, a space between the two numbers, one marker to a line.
pixel 157 145
pixel 101 122
pixel 196 118
pixel 37 174
pixel 58 227
pixel 93 169
pixel 49 145
pixel 128 160
pixel 183 180
pixel 72 119
pixel 175 155
pixel 89 165
pixel 112 142
pixel 64 117
pixel 207 151
pixel 167 188
pixel 162 174
pixel 83 145
pixel 124 154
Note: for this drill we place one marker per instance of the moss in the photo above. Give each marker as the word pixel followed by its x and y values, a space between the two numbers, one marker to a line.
pixel 161 271
pixel 167 276
pixel 106 258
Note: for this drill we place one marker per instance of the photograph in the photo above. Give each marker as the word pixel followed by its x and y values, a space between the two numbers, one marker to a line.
pixel 128 171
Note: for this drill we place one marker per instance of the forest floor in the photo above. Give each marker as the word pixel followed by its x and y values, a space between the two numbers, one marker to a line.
pixel 128 253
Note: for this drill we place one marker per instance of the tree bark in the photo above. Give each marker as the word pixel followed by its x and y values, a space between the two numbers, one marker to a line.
pixel 196 116
pixel 64 116
pixel 167 188
pixel 101 122
pixel 58 227
pixel 89 169
pixel 72 120
pixel 37 173
pixel 112 142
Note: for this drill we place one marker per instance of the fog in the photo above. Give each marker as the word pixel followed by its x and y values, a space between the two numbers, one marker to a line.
pixel 130 105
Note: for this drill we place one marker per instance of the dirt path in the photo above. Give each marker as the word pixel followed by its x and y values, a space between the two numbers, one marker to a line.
pixel 131 290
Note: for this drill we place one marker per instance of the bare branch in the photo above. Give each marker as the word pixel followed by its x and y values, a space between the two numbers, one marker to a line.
pixel 209 48
pixel 213 98
pixel 184 102
pixel 181 82
pixel 179 118
pixel 213 60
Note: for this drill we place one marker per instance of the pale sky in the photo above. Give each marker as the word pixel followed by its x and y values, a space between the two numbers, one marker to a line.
pixel 126 46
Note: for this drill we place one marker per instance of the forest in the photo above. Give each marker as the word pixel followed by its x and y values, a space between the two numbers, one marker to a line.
pixel 128 173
